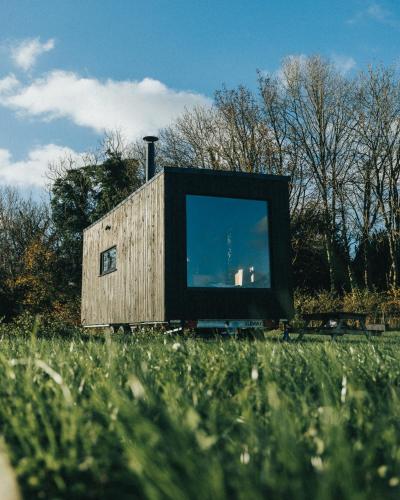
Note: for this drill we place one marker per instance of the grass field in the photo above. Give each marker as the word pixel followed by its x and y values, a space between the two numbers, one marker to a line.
pixel 154 417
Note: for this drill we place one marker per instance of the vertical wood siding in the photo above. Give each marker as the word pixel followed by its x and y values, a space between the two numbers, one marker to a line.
pixel 135 291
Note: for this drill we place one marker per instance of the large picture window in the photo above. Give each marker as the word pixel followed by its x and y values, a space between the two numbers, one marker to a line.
pixel 108 261
pixel 227 242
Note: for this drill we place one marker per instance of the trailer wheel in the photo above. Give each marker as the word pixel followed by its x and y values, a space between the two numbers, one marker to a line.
pixel 115 328
pixel 258 334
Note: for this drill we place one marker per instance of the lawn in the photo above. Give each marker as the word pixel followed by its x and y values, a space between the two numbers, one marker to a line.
pixel 153 417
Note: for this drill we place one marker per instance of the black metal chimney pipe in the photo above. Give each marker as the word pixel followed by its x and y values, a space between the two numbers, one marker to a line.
pixel 150 163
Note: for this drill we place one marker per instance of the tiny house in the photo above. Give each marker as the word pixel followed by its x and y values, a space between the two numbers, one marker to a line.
pixel 191 246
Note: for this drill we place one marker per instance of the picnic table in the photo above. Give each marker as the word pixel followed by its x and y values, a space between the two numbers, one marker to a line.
pixel 338 323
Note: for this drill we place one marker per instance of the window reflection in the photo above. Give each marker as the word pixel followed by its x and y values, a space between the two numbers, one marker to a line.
pixel 108 260
pixel 227 242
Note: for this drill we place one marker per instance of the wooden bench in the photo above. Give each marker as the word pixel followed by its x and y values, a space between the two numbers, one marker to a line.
pixel 336 323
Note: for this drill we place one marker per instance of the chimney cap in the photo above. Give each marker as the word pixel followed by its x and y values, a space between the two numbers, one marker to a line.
pixel 150 138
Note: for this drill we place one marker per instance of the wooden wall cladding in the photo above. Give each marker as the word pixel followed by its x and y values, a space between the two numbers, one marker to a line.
pixel 135 291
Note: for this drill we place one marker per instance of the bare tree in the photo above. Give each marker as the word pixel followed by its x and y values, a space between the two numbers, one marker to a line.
pixel 318 114
pixel 229 136
pixel 192 140
pixel 284 157
pixel 378 134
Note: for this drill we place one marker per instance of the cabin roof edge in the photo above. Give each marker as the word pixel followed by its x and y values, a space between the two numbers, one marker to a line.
pixel 226 173
pixel 144 186
pixel 194 171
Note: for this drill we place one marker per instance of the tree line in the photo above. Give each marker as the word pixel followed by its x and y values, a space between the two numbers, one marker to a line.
pixel 41 242
pixel 336 136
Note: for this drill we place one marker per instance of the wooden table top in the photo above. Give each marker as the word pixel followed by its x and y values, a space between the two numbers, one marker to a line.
pixel 333 315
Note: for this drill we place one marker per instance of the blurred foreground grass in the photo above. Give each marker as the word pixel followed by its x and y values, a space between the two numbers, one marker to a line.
pixel 155 417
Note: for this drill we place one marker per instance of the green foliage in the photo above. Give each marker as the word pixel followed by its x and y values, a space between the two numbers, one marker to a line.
pixel 24 224
pixel 35 285
pixel 309 266
pixel 7 304
pixel 115 179
pixel 323 301
pixel 380 306
pixel 80 196
pixel 46 326
pixel 73 200
pixel 154 417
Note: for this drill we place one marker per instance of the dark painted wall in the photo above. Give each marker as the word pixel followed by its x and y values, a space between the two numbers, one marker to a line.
pixel 182 302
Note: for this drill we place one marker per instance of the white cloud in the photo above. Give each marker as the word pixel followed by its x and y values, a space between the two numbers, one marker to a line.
pixel 134 107
pixel 25 53
pixel 377 12
pixel 343 64
pixel 31 171
pixel 8 84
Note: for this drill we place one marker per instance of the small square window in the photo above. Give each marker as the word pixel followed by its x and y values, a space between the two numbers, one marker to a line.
pixel 108 261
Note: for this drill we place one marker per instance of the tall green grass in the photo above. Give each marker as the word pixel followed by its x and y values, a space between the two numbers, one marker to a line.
pixel 154 417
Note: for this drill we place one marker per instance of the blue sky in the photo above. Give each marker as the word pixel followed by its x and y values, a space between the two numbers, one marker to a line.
pixel 71 69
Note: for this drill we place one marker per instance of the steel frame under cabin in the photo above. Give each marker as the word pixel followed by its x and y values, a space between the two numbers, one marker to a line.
pixel 149 284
